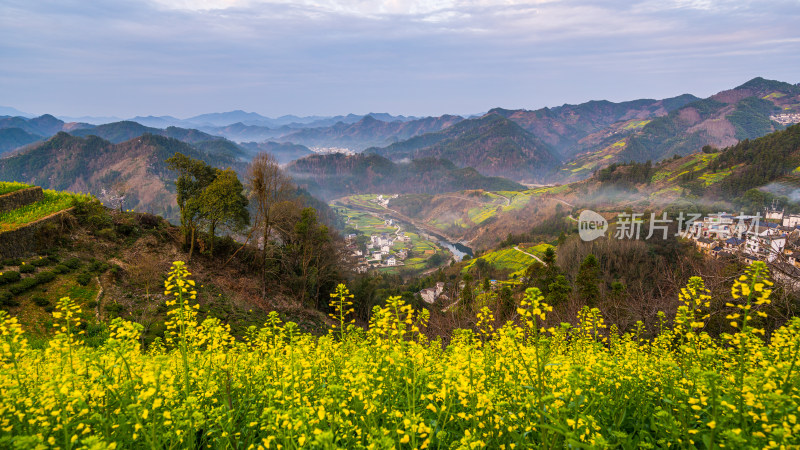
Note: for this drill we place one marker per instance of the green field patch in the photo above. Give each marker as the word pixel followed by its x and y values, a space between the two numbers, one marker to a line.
pixel 667 191
pixel 660 175
pixel 12 186
pixel 482 213
pixel 634 124
pixel 620 143
pixel 504 259
pixel 53 202
pixel 711 178
pixel 537 249
pixel 774 95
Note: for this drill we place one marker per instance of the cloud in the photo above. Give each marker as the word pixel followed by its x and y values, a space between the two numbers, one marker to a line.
pixel 185 57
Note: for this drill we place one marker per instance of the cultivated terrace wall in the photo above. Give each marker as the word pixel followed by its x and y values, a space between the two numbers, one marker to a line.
pixel 20 198
pixel 35 236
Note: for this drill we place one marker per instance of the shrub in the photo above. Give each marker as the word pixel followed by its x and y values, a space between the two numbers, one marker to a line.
pixel 12 262
pixel 9 277
pixel 61 268
pixel 114 308
pixel 106 233
pixel 23 285
pixel 7 299
pixel 98 266
pixel 40 301
pixel 73 263
pixel 45 277
pixel 26 268
pixel 41 262
pixel 84 278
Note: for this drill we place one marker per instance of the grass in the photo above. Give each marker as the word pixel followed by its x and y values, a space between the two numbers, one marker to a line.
pixel 52 202
pixel 7 187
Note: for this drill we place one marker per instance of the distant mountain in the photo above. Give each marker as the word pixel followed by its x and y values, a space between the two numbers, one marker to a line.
pixel 283 152
pixel 126 130
pixel 92 120
pixel 45 125
pixel 368 132
pixel 566 127
pixel 334 175
pixel 720 120
pixel 12 112
pixel 67 162
pixel 240 132
pixel 18 131
pixel 157 121
pixel 13 138
pixel 491 144
pixel 227 118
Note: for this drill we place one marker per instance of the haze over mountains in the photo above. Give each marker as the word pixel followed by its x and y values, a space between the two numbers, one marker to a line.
pixel 559 144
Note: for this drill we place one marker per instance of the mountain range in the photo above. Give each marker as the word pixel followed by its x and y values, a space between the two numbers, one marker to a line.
pixel 136 167
pixel 559 144
pixel 336 175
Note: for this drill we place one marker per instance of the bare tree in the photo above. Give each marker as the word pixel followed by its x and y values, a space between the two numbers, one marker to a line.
pixel 115 196
pixel 269 185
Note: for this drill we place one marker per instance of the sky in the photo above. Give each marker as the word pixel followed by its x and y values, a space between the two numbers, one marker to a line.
pixel 414 57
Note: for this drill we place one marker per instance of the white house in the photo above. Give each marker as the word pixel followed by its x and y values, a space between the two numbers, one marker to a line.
pixel 791 220
pixel 391 261
pixel 765 246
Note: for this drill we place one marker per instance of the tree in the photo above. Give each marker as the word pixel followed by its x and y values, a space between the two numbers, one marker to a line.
pixel 588 279
pixel 268 187
pixel 223 204
pixel 466 296
pixel 507 305
pixel 559 291
pixel 194 176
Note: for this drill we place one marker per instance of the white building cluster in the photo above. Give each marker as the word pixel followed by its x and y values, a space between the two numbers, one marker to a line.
pixel 749 237
pixel 379 250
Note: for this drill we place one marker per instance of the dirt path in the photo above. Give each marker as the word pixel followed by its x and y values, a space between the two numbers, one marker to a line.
pixel 529 254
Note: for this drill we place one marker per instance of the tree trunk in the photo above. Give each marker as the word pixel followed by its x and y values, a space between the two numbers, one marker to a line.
pixel 191 244
pixel 212 234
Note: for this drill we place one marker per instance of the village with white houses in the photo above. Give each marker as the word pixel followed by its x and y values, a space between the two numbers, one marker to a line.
pixel 386 249
pixel 773 237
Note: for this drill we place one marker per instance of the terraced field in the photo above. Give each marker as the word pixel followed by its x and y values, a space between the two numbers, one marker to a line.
pixel 504 259
pixel 7 187
pixel 52 202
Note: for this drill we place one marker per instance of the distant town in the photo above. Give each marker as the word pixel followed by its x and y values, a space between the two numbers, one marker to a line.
pixel 786 119
pixel 387 249
pixel 773 238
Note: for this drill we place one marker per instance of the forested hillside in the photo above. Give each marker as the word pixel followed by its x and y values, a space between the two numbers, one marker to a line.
pixel 336 175
pixel 135 169
pixel 491 144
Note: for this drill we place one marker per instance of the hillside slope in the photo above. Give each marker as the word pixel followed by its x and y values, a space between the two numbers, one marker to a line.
pixel 491 144
pixel 335 175
pixel 368 132
pixel 90 164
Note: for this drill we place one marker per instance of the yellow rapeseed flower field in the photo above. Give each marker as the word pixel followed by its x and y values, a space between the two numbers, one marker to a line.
pixel 388 386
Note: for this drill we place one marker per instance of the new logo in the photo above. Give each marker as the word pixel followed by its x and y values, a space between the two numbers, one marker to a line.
pixel 591 225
